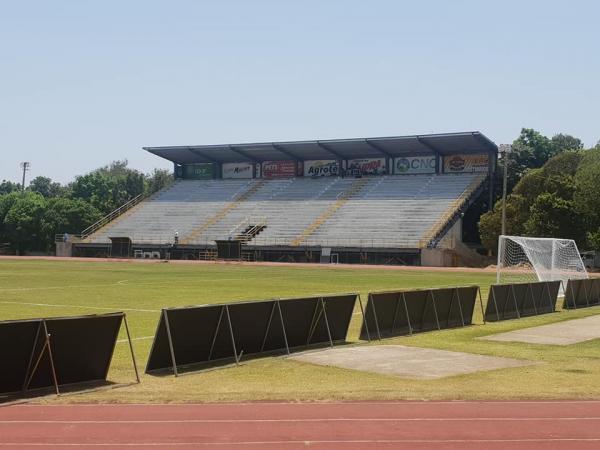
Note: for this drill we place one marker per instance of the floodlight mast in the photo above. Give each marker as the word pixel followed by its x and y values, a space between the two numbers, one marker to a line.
pixel 505 149
pixel 25 165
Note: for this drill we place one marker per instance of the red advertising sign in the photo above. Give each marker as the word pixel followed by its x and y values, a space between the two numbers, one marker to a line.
pixel 278 169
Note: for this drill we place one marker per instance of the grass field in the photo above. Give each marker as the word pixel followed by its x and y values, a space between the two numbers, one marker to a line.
pixel 38 288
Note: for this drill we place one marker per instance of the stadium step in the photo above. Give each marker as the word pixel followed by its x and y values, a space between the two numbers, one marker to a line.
pixel 223 212
pixel 353 190
pixel 437 230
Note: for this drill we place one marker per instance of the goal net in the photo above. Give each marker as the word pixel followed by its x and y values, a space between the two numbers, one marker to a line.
pixel 528 259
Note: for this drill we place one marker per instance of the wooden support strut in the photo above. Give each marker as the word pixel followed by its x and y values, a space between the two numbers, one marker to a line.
pixel 362 311
pixel 137 375
pixel 170 339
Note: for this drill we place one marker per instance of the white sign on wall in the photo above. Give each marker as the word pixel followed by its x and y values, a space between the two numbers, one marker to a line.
pixel 321 168
pixel 414 164
pixel 237 170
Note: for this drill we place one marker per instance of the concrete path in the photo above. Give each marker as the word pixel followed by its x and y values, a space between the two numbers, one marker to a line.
pixel 562 333
pixel 408 362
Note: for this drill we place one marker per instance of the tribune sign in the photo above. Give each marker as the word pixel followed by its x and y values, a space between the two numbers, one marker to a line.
pixel 237 170
pixel 369 166
pixel 278 169
pixel 466 163
pixel 414 164
pixel 321 168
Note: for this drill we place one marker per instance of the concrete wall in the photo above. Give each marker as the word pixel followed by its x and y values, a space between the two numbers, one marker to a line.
pixel 64 249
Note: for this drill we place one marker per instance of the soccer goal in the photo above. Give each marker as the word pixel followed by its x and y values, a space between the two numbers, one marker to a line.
pixel 526 259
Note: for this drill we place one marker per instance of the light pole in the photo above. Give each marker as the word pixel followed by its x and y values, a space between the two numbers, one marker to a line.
pixel 25 165
pixel 505 149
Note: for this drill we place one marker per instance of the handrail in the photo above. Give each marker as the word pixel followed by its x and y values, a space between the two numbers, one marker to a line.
pixel 112 215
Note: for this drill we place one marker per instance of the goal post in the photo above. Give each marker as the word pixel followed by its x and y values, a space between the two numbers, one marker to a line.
pixel 527 259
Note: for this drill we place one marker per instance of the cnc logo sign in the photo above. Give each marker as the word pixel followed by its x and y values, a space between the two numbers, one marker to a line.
pixel 321 168
pixel 415 164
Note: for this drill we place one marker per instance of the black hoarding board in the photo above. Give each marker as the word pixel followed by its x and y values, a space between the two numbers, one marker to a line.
pixel 58 351
pixel 512 301
pixel 17 342
pixel 399 313
pixel 582 293
pixel 210 333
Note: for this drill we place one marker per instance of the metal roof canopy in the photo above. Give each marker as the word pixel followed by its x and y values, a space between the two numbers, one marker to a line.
pixel 441 144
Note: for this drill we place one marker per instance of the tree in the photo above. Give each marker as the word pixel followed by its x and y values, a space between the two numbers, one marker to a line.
pixel 66 215
pixel 564 142
pixel 542 203
pixel 109 187
pixel 552 216
pixel 46 187
pixel 22 222
pixel 158 179
pixel 6 187
pixel 587 195
pixel 490 223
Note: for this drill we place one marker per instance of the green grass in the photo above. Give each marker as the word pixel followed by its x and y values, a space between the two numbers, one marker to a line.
pixel 37 288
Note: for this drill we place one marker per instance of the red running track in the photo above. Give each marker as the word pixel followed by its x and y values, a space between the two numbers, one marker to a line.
pixel 535 425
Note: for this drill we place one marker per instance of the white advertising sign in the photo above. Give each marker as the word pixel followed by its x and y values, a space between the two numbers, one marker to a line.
pixel 466 163
pixel 237 170
pixel 414 164
pixel 321 168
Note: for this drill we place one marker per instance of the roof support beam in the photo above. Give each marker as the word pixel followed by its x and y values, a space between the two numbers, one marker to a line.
pixel 378 148
pixel 286 152
pixel 421 140
pixel 197 152
pixel 489 144
pixel 244 154
pixel 328 150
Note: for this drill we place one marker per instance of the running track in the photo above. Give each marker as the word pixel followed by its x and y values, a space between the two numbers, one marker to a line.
pixel 291 426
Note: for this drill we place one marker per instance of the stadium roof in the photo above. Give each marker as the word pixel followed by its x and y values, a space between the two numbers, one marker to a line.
pixel 441 144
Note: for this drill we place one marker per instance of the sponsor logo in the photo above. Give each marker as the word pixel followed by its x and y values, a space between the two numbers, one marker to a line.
pixel 320 169
pixel 403 165
pixel 456 164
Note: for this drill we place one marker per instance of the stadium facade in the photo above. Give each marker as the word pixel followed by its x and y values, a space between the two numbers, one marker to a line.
pixel 395 200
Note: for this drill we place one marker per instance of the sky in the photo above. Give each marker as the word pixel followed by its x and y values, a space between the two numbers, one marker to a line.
pixel 83 83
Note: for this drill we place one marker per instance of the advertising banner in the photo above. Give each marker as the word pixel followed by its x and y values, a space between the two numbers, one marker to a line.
pixel 278 169
pixel 369 166
pixel 321 168
pixel 414 164
pixel 237 170
pixel 202 171
pixel 466 163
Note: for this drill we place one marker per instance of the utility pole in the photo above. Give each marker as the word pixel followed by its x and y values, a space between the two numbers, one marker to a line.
pixel 25 165
pixel 505 149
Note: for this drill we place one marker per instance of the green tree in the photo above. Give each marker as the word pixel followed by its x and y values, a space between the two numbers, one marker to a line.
pixel 6 187
pixel 109 187
pixel 22 222
pixel 553 216
pixel 490 223
pixel 46 187
pixel 158 179
pixel 66 215
pixel 587 195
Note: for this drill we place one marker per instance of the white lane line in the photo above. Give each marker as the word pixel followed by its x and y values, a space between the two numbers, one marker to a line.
pixel 81 307
pixel 316 403
pixel 297 442
pixel 310 420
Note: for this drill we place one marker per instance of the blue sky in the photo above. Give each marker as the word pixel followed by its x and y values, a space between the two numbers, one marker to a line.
pixel 83 83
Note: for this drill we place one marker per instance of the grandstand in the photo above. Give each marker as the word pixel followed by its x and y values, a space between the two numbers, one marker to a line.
pixel 394 200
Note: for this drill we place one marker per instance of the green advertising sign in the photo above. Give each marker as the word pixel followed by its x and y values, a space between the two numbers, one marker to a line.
pixel 198 171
